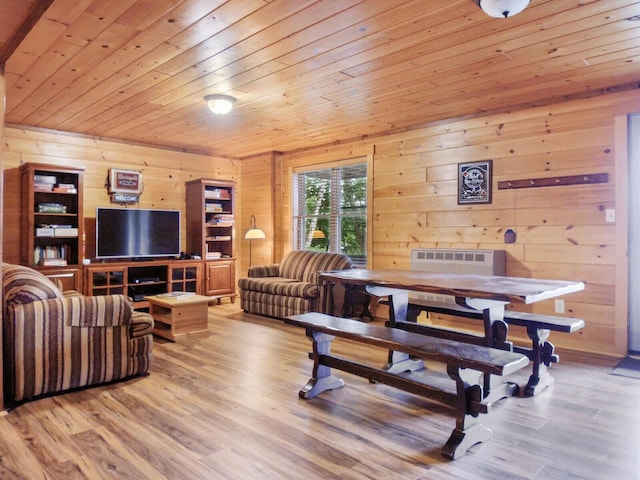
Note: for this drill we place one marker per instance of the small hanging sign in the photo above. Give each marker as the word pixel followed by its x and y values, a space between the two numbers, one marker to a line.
pixel 125 181
pixel 124 198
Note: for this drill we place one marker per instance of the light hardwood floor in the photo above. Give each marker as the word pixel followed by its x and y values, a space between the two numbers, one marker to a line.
pixel 225 406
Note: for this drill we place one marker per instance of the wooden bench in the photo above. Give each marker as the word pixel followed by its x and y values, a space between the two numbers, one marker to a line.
pixel 538 328
pixel 465 365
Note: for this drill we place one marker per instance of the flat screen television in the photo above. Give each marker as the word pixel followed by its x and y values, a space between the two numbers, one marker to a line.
pixel 137 233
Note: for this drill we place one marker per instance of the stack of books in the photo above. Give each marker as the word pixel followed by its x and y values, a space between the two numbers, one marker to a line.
pixel 44 183
pixel 65 188
pixel 222 220
pixel 51 255
pixel 217 193
pixel 213 255
pixel 52 208
pixel 213 207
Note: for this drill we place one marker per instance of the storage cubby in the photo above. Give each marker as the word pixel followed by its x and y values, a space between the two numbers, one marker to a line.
pixel 141 279
pixel 185 277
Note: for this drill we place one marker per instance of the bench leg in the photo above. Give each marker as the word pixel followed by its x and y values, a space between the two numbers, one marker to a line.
pixel 399 362
pixel 321 379
pixel 468 430
pixel 542 355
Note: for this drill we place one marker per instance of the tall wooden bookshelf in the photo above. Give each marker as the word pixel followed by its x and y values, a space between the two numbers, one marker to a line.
pixel 210 209
pixel 52 226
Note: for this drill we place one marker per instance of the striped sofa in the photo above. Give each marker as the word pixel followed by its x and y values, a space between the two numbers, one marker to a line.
pixel 55 341
pixel 290 287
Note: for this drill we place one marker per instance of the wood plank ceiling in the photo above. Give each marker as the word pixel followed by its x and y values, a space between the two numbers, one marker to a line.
pixel 304 72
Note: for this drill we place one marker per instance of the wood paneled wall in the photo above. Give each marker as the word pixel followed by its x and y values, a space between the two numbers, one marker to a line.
pixel 561 231
pixel 255 197
pixel 164 173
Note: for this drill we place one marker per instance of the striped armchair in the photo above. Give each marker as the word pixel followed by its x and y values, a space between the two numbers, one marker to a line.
pixel 55 341
pixel 290 287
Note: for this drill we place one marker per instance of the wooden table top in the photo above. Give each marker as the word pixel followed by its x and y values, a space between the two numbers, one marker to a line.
pixel 508 289
pixel 169 301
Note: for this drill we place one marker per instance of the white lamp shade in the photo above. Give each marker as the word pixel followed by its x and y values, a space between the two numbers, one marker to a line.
pixel 220 104
pixel 503 8
pixel 253 233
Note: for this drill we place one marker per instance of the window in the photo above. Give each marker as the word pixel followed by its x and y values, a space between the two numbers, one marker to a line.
pixel 330 211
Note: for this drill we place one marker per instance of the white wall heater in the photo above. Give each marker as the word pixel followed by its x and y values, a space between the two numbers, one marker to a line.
pixel 452 260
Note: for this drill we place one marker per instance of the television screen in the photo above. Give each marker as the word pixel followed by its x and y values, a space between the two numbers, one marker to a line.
pixel 137 233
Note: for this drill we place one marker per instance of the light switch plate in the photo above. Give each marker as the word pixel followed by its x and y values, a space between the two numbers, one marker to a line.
pixel 610 215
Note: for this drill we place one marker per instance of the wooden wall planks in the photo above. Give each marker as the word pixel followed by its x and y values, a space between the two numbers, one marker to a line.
pixel 164 173
pixel 561 231
pixel 255 196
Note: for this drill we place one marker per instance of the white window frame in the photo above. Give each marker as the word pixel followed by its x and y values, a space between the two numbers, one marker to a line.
pixel 302 241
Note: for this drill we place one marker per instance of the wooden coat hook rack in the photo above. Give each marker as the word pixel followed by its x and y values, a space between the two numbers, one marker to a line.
pixel 554 181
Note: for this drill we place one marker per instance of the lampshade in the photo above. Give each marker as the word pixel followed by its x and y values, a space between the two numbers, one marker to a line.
pixel 254 232
pixel 502 8
pixel 220 104
pixel 317 234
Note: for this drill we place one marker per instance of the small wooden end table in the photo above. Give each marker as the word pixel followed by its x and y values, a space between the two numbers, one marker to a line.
pixel 175 316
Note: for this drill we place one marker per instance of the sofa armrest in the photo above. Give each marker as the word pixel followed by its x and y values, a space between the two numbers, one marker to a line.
pixel 262 271
pixel 71 293
pixel 81 311
pixel 141 324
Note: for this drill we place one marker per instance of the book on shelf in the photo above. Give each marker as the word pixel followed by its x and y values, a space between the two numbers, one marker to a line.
pixel 51 254
pixel 43 187
pixel 217 193
pixel 53 262
pixel 221 220
pixel 65 190
pixel 43 178
pixel 52 208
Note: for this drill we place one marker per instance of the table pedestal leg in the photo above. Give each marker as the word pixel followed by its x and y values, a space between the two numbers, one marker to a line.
pixel 400 362
pixel 542 355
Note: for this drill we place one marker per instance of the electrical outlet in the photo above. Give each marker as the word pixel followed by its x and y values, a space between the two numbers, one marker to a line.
pixel 610 215
pixel 559 306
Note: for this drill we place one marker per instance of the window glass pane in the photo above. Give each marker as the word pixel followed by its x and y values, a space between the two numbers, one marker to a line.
pixel 353 185
pixel 317 234
pixel 317 193
pixel 330 211
pixel 354 235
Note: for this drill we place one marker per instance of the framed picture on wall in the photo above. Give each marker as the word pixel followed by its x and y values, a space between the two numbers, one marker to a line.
pixel 474 182
pixel 125 181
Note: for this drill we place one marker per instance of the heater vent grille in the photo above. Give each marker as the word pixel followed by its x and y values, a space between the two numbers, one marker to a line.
pixel 442 260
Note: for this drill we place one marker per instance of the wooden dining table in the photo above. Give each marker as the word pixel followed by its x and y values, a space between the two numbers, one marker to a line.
pixel 485 293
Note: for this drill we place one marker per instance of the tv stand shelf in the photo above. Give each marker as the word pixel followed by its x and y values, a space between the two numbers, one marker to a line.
pixel 142 279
